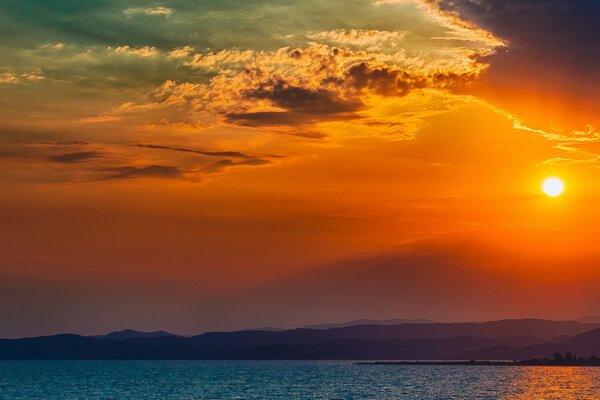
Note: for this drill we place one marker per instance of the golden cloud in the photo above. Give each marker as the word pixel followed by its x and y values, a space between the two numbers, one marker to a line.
pixel 143 52
pixel 297 86
pixel 159 11
pixel 181 52
pixel 372 39
pixel 15 78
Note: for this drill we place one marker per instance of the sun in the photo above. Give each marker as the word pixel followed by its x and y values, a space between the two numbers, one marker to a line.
pixel 553 187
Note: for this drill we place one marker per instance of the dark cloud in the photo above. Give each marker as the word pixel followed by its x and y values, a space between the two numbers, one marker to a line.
pixel 222 165
pixel 236 154
pixel 552 46
pixel 389 81
pixel 381 80
pixel 116 162
pixel 75 157
pixel 59 143
pixel 339 98
pixel 149 171
pixel 303 100
pixel 303 105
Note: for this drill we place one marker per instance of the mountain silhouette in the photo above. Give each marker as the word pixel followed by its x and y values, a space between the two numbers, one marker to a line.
pixel 133 334
pixel 393 321
pixel 506 339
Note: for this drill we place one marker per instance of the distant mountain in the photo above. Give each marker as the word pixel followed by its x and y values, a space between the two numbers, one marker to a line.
pixel 583 345
pixel 393 321
pixel 559 339
pixel 507 339
pixel 388 349
pixel 132 334
pixel 76 347
pixel 591 319
pixel 266 328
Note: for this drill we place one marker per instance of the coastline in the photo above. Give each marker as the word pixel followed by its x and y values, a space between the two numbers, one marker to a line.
pixel 483 363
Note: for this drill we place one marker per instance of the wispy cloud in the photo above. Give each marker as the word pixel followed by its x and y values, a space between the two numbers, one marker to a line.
pixel 15 78
pixel 372 39
pixel 236 154
pixel 148 171
pixel 222 165
pixel 75 157
pixel 8 77
pixel 79 161
pixel 157 11
pixel 53 46
pixel 143 52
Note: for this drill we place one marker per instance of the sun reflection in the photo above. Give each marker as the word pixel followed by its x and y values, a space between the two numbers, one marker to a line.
pixel 576 383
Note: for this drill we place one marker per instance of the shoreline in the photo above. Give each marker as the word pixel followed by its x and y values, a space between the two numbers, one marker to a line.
pixel 522 363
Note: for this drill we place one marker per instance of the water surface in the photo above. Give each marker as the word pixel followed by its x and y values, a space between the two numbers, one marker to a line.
pixel 190 380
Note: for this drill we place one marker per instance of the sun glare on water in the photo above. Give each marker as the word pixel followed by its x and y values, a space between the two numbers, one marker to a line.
pixel 553 187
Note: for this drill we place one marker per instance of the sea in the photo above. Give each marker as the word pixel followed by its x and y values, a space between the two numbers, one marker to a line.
pixel 236 380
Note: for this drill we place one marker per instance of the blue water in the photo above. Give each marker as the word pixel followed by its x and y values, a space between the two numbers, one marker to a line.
pixel 121 380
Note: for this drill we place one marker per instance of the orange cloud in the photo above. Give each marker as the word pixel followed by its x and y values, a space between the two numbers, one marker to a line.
pixel 290 86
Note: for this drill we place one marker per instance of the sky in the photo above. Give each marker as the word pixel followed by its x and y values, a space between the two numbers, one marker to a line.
pixel 220 165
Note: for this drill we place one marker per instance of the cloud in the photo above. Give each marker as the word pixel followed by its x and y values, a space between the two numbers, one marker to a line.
pixel 159 11
pixel 156 11
pixel 221 59
pixel 59 143
pixel 173 172
pixel 75 157
pixel 8 77
pixel 302 100
pixel 53 46
pixel 78 161
pixel 302 106
pixel 372 39
pixel 338 98
pixel 285 119
pixel 181 52
pixel 148 171
pixel 291 88
pixel 195 151
pixel 456 28
pixel 143 52
pixel 547 74
pixel 213 67
pixel 222 165
pixel 15 78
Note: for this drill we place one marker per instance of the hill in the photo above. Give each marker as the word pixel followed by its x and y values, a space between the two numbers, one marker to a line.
pixel 506 339
pixel 133 334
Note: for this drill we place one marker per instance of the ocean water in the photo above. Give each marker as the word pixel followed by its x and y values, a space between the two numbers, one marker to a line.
pixel 164 380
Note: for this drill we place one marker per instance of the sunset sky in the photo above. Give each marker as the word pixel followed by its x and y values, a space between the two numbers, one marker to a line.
pixel 217 165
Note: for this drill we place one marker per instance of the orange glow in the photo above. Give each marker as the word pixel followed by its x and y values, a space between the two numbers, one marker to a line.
pixel 216 175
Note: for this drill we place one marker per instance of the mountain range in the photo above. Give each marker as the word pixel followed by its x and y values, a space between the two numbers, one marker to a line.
pixel 494 340
pixel 392 321
pixel 133 334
